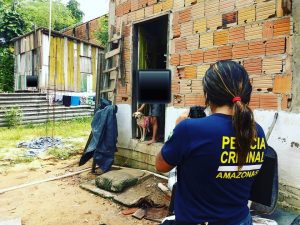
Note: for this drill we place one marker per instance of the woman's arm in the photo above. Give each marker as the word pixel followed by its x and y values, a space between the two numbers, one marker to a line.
pixel 141 107
pixel 161 165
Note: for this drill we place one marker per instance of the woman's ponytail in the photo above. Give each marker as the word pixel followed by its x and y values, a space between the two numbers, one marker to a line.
pixel 245 128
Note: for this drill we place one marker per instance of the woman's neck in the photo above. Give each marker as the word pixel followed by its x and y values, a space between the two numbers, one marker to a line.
pixel 222 109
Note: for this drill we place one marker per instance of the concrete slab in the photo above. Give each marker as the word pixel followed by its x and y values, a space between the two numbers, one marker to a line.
pixel 16 221
pixel 130 197
pixel 91 187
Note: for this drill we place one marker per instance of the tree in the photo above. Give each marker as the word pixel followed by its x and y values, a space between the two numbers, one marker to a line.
pixel 12 25
pixel 74 7
pixel 36 12
pixel 102 33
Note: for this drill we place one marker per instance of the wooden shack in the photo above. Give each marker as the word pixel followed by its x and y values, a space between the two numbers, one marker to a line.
pixel 70 65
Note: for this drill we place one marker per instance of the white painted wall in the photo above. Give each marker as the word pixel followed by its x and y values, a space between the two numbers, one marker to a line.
pixel 124 118
pixel 285 139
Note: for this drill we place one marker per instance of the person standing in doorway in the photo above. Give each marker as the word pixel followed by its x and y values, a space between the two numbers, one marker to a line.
pixel 154 113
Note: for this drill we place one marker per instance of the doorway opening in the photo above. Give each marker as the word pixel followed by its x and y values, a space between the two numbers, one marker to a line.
pixel 150 50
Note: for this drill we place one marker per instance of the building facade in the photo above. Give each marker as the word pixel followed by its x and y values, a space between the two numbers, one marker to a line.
pixel 69 66
pixel 190 35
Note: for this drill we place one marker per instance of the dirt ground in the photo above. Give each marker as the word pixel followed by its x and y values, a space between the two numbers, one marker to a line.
pixel 60 202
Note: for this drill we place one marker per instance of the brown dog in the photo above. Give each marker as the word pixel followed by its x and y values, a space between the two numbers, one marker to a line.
pixel 143 124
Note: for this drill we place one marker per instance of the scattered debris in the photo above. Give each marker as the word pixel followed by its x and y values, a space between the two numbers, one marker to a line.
pixel 156 214
pixel 164 189
pixel 129 211
pixel 38 145
pixel 140 214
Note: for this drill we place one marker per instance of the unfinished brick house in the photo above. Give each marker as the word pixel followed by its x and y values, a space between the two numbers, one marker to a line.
pixel 187 36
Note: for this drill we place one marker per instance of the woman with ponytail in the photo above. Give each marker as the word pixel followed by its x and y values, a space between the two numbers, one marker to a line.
pixel 217 157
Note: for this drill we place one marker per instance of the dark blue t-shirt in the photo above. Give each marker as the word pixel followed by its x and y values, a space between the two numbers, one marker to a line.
pixel 210 187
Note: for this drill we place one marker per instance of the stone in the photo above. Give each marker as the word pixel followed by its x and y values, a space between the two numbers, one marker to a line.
pixel 116 180
pixel 91 187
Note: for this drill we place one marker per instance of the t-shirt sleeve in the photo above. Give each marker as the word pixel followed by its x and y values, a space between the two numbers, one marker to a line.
pixel 176 147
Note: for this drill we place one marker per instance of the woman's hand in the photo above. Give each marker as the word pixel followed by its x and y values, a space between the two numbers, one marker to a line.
pixel 183 116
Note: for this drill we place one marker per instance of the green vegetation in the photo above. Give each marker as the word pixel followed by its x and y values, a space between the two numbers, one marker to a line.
pixel 74 7
pixel 13 117
pixel 74 134
pixel 102 33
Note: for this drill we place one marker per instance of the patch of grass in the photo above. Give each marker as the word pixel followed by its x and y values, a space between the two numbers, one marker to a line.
pixel 77 128
pixel 62 153
pixel 20 159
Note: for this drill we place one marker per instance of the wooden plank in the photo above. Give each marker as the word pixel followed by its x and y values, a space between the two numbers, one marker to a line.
pixel 112 69
pixel 112 53
pixel 115 38
pixel 94 68
pixel 70 78
pixel 66 55
pixel 78 67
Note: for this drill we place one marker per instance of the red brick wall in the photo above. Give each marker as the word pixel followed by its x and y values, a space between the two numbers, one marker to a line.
pixel 252 32
pixel 81 31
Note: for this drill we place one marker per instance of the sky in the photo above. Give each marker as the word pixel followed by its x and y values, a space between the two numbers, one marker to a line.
pixel 92 8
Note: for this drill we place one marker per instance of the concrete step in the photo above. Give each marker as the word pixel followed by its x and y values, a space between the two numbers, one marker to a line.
pixel 23 94
pixel 21 98
pixel 21 103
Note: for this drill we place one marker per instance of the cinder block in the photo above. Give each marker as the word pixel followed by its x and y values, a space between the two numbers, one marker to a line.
pixel 257 48
pixel 185 15
pixel 253 66
pixel 185 86
pixel 246 15
pixel 152 2
pixel 227 5
pixel 198 9
pixel 282 27
pixel 197 56
pixel 185 59
pixel 272 65
pixel 192 42
pixel 225 52
pixel 221 37
pixel 236 34
pixel 158 7
pixel 240 50
pixel 175 60
pixel 197 87
pixel 167 4
pixel 140 14
pixel 268 29
pixel 211 55
pixel 178 4
pixel 175 18
pixel 262 84
pixel 211 8
pixel 229 19
pixel 207 40
pixel 191 100
pixel 201 70
pixel 283 84
pixel 265 10
pixel 143 3
pixel 189 2
pixel 178 100
pixel 275 46
pixel 149 11
pixel 253 31
pixel 268 101
pixel 186 29
pixel 213 23
pixel 119 10
pixel 126 7
pixel 254 102
pixel 190 72
pixel 180 44
pixel 200 25
pixel 244 3
pixel 176 31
